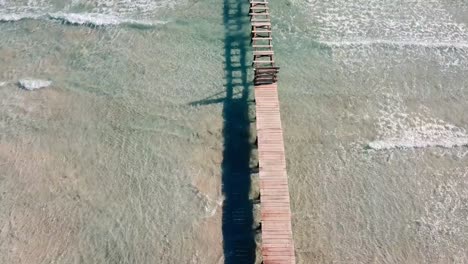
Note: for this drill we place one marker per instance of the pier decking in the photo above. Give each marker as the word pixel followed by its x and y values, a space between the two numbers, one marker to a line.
pixel 277 240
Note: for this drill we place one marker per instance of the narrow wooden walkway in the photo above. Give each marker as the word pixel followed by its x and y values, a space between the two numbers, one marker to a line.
pixel 277 240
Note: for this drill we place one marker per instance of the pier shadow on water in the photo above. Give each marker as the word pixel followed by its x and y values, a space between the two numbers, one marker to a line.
pixel 238 234
pixel 237 224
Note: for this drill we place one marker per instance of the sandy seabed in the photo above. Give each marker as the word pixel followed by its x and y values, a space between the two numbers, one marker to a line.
pixel 112 163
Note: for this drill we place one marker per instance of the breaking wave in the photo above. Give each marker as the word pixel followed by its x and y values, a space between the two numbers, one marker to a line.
pixel 31 84
pixel 426 44
pixel 406 31
pixel 420 138
pixel 96 19
pixel 18 17
pixel 86 19
pixel 398 128
pixel 401 21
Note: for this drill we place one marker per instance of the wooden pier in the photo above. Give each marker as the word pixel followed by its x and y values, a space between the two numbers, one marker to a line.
pixel 277 240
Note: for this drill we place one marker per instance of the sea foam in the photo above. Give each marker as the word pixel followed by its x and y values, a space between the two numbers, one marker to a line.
pixel 413 30
pixel 424 44
pixel 398 128
pixel 96 19
pixel 30 84
pixel 433 136
pixel 386 20
pixel 86 19
pixel 17 17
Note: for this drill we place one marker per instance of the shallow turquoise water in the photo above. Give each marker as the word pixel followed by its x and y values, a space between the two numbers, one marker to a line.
pixel 373 104
pixel 113 164
pixel 110 164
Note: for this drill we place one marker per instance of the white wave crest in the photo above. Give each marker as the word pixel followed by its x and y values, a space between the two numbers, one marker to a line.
pixel 405 21
pixel 399 129
pixel 86 19
pixel 96 19
pixel 30 84
pixel 365 33
pixel 434 136
pixel 424 44
pixel 17 17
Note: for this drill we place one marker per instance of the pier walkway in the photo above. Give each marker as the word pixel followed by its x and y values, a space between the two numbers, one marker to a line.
pixel 277 240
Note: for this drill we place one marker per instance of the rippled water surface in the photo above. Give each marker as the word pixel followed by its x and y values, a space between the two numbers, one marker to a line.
pixel 374 108
pixel 110 163
pixel 113 163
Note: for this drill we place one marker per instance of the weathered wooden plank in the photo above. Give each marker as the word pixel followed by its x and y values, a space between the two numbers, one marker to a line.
pixel 271 203
pixel 276 188
pixel 275 211
pixel 259 14
pixel 280 181
pixel 279 259
pixel 273 192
